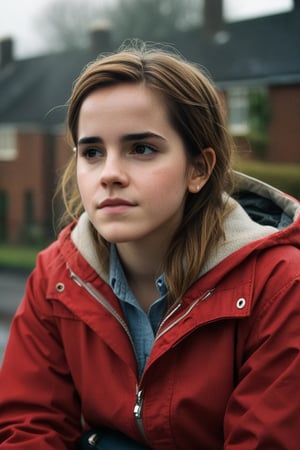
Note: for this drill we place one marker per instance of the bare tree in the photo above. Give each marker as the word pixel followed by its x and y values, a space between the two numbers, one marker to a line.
pixel 157 20
pixel 65 24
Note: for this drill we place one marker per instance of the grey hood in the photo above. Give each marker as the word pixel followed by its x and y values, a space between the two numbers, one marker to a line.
pixel 257 210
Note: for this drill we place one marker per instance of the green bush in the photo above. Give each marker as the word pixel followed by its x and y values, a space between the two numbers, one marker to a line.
pixel 285 177
pixel 18 257
pixel 258 143
pixel 259 119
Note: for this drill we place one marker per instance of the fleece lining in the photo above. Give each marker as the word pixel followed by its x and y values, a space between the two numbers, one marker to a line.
pixel 239 228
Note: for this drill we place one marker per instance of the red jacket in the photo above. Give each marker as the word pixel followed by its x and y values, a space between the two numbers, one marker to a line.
pixel 224 372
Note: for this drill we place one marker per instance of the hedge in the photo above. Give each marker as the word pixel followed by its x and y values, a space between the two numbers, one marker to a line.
pixel 285 177
pixel 18 257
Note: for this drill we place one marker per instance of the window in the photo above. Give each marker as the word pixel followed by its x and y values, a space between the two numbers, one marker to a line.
pixel 3 215
pixel 8 144
pixel 29 208
pixel 238 110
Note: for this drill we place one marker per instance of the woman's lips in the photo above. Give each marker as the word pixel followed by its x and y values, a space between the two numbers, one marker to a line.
pixel 115 205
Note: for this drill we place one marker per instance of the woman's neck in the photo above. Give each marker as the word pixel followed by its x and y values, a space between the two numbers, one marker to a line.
pixel 142 266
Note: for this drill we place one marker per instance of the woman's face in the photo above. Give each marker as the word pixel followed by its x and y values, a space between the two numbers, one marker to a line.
pixel 132 169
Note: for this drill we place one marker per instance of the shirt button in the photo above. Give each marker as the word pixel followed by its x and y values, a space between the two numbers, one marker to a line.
pixel 60 287
pixel 241 303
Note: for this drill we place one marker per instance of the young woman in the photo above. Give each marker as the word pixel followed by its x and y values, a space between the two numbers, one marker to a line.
pixel 168 310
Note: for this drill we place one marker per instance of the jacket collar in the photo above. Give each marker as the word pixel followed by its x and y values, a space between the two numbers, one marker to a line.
pixel 241 232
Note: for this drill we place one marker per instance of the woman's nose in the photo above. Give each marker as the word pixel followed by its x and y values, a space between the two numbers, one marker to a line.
pixel 113 171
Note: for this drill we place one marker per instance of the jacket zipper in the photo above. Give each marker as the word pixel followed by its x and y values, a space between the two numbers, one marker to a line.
pixel 94 293
pixel 137 413
pixel 138 408
pixel 175 322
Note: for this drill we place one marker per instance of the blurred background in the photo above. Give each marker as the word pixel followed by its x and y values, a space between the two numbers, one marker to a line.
pixel 250 49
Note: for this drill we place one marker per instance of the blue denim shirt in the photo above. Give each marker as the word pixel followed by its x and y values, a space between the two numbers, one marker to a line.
pixel 143 326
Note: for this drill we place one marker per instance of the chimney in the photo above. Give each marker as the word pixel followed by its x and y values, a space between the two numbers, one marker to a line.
pixel 6 52
pixel 296 4
pixel 213 16
pixel 100 37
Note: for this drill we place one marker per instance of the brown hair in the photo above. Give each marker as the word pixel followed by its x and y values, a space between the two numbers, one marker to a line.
pixel 196 112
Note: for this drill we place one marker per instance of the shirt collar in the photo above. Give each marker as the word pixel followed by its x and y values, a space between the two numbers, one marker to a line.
pixel 118 281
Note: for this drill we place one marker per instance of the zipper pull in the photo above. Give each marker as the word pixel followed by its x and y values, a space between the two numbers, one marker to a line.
pixel 93 440
pixel 137 411
pixel 74 277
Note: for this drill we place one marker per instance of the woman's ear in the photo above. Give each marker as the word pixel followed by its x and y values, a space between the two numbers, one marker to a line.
pixel 201 170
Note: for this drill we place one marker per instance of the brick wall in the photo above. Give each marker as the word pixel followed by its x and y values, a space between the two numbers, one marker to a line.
pixel 19 176
pixel 284 131
pixel 29 182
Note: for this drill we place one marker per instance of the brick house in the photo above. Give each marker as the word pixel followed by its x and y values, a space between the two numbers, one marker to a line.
pixel 33 145
pixel 253 57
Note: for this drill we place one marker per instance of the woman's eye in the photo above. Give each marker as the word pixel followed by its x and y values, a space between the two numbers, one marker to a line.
pixel 91 153
pixel 144 149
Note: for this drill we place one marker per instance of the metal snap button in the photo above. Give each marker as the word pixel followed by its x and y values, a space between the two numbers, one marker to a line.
pixel 241 303
pixel 60 287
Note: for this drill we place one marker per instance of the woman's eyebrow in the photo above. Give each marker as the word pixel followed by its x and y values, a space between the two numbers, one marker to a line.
pixel 125 138
pixel 90 140
pixel 141 136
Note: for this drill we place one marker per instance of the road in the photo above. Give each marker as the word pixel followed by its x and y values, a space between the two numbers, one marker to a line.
pixel 12 284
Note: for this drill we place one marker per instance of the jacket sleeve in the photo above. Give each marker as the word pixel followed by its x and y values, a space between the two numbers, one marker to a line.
pixel 264 409
pixel 39 405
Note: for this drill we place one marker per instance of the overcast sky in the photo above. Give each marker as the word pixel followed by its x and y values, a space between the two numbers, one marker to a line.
pixel 17 19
